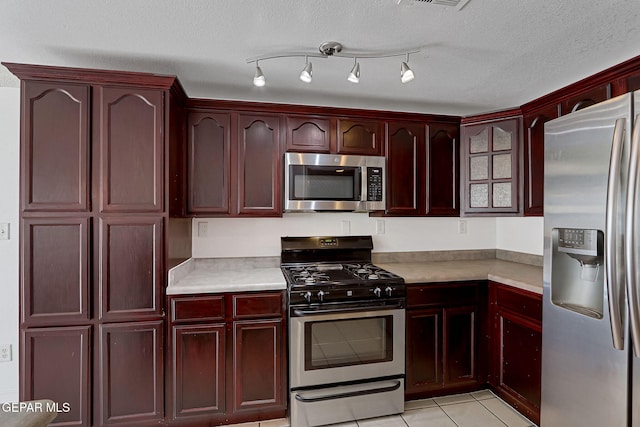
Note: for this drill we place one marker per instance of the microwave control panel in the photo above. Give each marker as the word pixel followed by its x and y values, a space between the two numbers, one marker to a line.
pixel 374 184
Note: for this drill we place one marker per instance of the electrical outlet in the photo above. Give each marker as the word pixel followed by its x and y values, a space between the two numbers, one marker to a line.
pixel 462 226
pixel 202 229
pixel 346 227
pixel 4 231
pixel 380 226
pixel 5 352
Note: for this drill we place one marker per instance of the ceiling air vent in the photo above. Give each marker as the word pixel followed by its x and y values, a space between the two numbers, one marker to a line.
pixel 458 4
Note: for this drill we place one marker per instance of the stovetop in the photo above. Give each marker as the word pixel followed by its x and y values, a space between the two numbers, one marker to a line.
pixel 332 273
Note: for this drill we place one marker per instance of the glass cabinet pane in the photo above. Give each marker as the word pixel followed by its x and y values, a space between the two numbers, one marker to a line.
pixel 479 195
pixel 502 166
pixel 501 140
pixel 479 143
pixel 479 168
pixel 502 195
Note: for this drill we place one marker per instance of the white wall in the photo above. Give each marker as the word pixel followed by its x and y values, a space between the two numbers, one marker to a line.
pixel 243 237
pixel 9 167
pixel 520 234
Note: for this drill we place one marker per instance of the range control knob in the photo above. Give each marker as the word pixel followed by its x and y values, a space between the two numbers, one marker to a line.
pixel 321 295
pixel 388 291
pixel 307 296
pixel 377 292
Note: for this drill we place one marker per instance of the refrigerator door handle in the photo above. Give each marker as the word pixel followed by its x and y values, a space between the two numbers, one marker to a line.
pixel 629 242
pixel 611 243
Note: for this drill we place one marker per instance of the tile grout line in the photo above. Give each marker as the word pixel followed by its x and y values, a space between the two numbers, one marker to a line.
pixel 491 412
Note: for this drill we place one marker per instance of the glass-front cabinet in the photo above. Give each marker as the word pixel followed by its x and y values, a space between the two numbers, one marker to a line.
pixel 490 171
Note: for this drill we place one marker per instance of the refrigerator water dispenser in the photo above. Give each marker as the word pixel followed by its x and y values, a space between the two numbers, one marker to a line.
pixel 577 279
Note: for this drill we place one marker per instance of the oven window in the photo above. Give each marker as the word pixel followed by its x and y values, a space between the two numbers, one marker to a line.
pixel 348 342
pixel 325 183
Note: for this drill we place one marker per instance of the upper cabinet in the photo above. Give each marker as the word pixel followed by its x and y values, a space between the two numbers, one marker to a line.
pixel 131 156
pixel 360 136
pixel 308 133
pixel 209 162
pixel 55 150
pixel 443 176
pixel 585 98
pixel 490 171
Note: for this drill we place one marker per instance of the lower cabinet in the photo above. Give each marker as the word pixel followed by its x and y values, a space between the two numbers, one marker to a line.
pixel 228 358
pixel 515 347
pixel 443 330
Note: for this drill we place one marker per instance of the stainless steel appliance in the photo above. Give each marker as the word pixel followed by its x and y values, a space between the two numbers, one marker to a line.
pixel 591 330
pixel 346 331
pixel 334 182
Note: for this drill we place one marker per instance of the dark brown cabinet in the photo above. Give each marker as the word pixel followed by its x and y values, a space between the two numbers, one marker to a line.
pixel 131 149
pixel 533 187
pixel 442 345
pixel 490 169
pixel 55 149
pixel 259 165
pixel 93 220
pixel 406 184
pixel 209 162
pixel 131 371
pixel 585 98
pixel 228 356
pixel 443 170
pixel 515 347
pixel 308 133
pixel 56 365
pixel 360 136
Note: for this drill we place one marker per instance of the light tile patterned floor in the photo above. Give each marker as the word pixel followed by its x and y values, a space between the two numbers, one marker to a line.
pixel 478 409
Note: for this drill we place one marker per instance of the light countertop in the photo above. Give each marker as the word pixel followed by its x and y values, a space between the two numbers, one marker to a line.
pixel 264 274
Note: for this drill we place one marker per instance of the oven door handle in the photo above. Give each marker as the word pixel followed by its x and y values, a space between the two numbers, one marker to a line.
pixel 349 394
pixel 351 309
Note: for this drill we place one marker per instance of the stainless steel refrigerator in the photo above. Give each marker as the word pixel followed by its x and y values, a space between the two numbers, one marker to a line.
pixel 591 331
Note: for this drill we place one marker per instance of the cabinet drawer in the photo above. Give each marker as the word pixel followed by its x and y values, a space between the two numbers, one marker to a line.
pixel 528 305
pixel 250 305
pixel 442 294
pixel 197 308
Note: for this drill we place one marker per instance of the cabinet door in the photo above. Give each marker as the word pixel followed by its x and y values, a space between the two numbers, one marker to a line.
pixel 459 355
pixel 360 137
pixel 198 370
pixel 443 157
pixel 131 149
pixel 55 147
pixel 405 168
pixel 490 174
pixel 55 271
pixel 130 262
pixel 56 365
pixel 258 365
pixel 130 373
pixel 585 99
pixel 534 159
pixel 424 354
pixel 209 163
pixel 308 133
pixel 259 165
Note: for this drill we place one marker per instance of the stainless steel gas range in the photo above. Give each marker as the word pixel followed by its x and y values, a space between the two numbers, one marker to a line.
pixel 346 331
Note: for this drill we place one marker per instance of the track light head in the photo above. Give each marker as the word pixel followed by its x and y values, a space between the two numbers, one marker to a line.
pixel 258 78
pixel 406 74
pixel 307 73
pixel 354 75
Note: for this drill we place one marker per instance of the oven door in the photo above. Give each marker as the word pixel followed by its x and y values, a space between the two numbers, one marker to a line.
pixel 346 345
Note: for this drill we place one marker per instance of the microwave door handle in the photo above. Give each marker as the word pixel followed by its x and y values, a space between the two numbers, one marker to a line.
pixel 615 288
pixel 629 243
pixel 364 178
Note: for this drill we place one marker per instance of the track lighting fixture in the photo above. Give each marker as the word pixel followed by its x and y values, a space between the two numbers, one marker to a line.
pixel 354 75
pixel 335 49
pixel 258 78
pixel 307 72
pixel 406 74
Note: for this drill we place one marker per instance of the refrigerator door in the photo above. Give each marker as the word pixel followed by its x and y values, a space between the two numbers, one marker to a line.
pixel 584 378
pixel 635 383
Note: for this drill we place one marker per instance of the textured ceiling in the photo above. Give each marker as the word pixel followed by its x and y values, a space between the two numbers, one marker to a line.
pixel 492 54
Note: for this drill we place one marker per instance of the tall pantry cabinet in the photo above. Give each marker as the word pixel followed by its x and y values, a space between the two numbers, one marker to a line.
pixel 94 186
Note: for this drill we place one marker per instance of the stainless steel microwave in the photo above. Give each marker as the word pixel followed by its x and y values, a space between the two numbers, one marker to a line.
pixel 334 182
